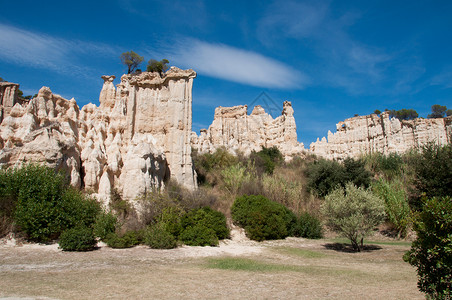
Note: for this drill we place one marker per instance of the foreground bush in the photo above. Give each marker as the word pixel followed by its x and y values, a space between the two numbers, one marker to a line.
pixel 431 252
pixel 126 240
pixel 77 239
pixel 42 204
pixel 261 218
pixel 105 224
pixel 157 237
pixel 433 173
pixel 203 227
pixel 354 212
pixel 308 227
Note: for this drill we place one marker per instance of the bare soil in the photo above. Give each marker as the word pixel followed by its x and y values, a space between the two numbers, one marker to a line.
pixel 304 269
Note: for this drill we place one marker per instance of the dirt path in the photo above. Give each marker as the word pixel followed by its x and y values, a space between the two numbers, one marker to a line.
pixel 237 269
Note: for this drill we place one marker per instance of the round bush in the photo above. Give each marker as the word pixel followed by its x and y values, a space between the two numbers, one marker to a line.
pixel 157 237
pixel 308 227
pixel 199 235
pixel 77 239
pixel 105 224
pixel 262 218
pixel 209 218
pixel 127 240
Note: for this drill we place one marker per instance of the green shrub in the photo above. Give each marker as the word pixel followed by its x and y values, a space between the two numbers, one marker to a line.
pixel 433 173
pixel 77 239
pixel 326 175
pixel 127 240
pixel 157 237
pixel 44 204
pixel 266 159
pixel 207 165
pixel 354 212
pixel 199 235
pixel 281 188
pixel 308 227
pixel 209 218
pixel 170 218
pixel 431 252
pixel 105 224
pixel 261 218
pixel 396 203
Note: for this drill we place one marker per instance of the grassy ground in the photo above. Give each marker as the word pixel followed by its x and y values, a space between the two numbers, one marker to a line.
pixel 286 269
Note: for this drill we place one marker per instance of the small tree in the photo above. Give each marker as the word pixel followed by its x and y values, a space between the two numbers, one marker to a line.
pixel 403 114
pixel 131 60
pixel 449 112
pixel 438 111
pixel 353 212
pixel 431 252
pixel 377 112
pixel 158 66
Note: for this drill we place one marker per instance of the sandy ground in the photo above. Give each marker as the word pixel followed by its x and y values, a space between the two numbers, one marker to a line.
pixel 305 269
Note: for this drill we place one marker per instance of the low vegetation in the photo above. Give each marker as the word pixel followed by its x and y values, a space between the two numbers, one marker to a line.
pixel 267 196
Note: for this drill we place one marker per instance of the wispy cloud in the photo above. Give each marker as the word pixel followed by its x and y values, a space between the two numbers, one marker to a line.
pixel 237 65
pixel 345 61
pixel 43 51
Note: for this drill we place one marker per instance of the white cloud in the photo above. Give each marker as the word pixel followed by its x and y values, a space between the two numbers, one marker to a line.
pixel 43 51
pixel 237 65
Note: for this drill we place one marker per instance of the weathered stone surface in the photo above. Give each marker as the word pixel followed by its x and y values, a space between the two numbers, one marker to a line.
pixel 8 97
pixel 136 139
pixel 235 130
pixel 368 134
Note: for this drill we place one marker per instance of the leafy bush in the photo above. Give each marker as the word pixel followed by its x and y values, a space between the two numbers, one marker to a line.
pixel 389 166
pixel 431 252
pixel 262 218
pixel 206 217
pixel 433 173
pixel 208 166
pixel 199 235
pixel 396 203
pixel 105 224
pixel 77 239
pixel 42 204
pixel 353 212
pixel 308 227
pixel 157 237
pixel 127 240
pixel 266 159
pixel 324 176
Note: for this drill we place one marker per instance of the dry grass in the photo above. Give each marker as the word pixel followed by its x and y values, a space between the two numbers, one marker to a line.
pixel 286 269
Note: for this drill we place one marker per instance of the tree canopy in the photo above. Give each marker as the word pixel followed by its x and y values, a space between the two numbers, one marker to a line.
pixel 158 66
pixel 403 114
pixel 132 60
pixel 438 111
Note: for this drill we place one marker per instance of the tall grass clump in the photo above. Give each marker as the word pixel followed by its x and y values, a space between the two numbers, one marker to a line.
pixel 396 203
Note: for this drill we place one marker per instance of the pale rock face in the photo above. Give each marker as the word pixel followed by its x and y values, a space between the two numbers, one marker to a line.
pixel 137 138
pixel 235 130
pixel 8 98
pixel 369 134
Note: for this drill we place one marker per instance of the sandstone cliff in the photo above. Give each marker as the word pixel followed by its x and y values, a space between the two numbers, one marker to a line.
pixel 368 134
pixel 235 130
pixel 136 139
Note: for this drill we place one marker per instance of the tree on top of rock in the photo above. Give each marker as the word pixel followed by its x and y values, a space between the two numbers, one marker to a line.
pixel 438 111
pixel 131 60
pixel 158 66
pixel 403 114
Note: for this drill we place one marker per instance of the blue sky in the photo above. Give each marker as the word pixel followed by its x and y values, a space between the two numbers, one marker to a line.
pixel 331 59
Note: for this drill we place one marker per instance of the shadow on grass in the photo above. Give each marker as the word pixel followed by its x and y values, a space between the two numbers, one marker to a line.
pixel 344 247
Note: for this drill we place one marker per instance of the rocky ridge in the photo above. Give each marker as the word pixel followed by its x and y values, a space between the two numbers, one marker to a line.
pixel 137 138
pixel 372 133
pixel 238 131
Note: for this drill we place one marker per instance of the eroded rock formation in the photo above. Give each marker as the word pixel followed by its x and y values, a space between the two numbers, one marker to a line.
pixel 8 98
pixel 235 130
pixel 137 138
pixel 368 134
